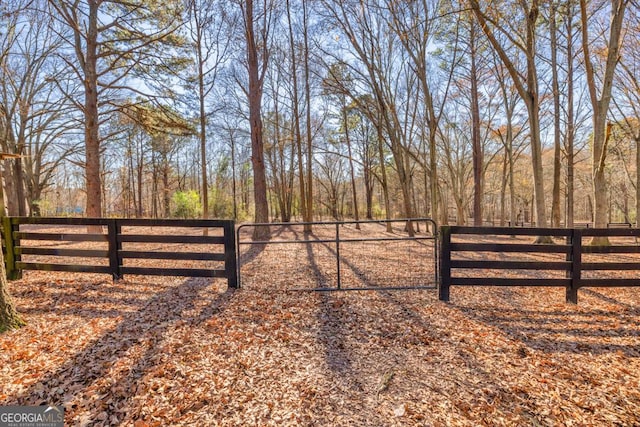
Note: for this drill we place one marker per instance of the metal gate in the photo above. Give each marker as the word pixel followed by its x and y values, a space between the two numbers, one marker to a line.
pixel 341 255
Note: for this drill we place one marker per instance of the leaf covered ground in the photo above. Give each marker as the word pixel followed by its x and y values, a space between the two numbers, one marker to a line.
pixel 152 351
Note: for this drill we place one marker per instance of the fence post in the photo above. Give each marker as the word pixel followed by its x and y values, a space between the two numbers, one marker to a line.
pixel 436 248
pixel 445 263
pixel 9 255
pixel 113 236
pixel 230 266
pixel 338 253
pixel 576 266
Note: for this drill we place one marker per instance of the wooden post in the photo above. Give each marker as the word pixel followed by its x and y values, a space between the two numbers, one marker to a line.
pixel 445 263
pixel 230 265
pixel 9 254
pixel 339 283
pixel 576 266
pixel 115 245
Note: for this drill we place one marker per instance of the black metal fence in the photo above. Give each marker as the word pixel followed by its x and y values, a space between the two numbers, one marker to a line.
pixel 572 262
pixel 344 255
pixel 31 243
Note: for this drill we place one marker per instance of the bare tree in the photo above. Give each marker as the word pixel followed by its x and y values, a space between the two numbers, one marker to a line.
pixel 600 100
pixel 555 86
pixel 569 138
pixel 110 42
pixel 9 317
pixel 210 35
pixel 375 68
pixel 258 50
pixel 627 100
pixel 525 83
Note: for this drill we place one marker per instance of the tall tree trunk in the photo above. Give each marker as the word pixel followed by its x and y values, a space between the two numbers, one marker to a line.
pixel 569 137
pixel 91 119
pixel 478 155
pixel 555 193
pixel 203 124
pixel 433 168
pixel 528 91
pixel 154 186
pixel 166 199
pixel 347 136
pixel 233 176
pixel 256 79
pixel 600 105
pixel 536 158
pixel 23 203
pixel 503 188
pixel 296 117
pixel 307 90
pixel 512 190
pixel 637 138
pixel 385 185
pixel 131 181
pixel 139 171
pixel 368 188
pixel 533 107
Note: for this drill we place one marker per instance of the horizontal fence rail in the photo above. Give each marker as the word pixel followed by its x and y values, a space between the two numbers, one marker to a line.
pixel 336 244
pixel 458 271
pixel 110 235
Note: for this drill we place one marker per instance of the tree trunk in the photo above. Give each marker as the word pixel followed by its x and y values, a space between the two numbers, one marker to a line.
pixel 233 177
pixel 503 189
pixel 347 136
pixel 478 155
pixel 600 104
pixel 10 187
pixel 307 90
pixel 637 181
pixel 139 171
pixel 512 189
pixel 91 124
pixel 203 126
pixel 368 189
pixel 261 214
pixel 9 317
pixel 166 195
pixel 539 195
pixel 296 117
pixel 555 193
pixel 569 138
pixel 385 186
pixel 533 108
pixel 18 172
pixel 528 91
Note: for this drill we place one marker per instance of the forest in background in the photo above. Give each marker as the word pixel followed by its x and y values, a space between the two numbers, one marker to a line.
pixel 473 111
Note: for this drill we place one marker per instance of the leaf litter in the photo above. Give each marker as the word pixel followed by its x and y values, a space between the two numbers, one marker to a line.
pixel 153 351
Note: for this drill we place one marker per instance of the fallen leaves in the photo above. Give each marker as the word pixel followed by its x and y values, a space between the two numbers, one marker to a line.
pixel 167 351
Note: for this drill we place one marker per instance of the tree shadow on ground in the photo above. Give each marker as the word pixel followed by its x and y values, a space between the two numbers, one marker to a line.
pixel 332 333
pixel 576 330
pixel 365 279
pixel 79 302
pixel 254 250
pixel 335 332
pixel 134 343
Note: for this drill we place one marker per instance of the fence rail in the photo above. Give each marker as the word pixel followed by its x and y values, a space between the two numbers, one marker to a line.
pixel 15 240
pixel 576 245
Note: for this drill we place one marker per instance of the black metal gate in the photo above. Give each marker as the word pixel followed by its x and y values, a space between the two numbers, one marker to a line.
pixel 341 255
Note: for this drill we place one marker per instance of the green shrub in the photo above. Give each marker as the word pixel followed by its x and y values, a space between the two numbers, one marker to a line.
pixel 186 204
